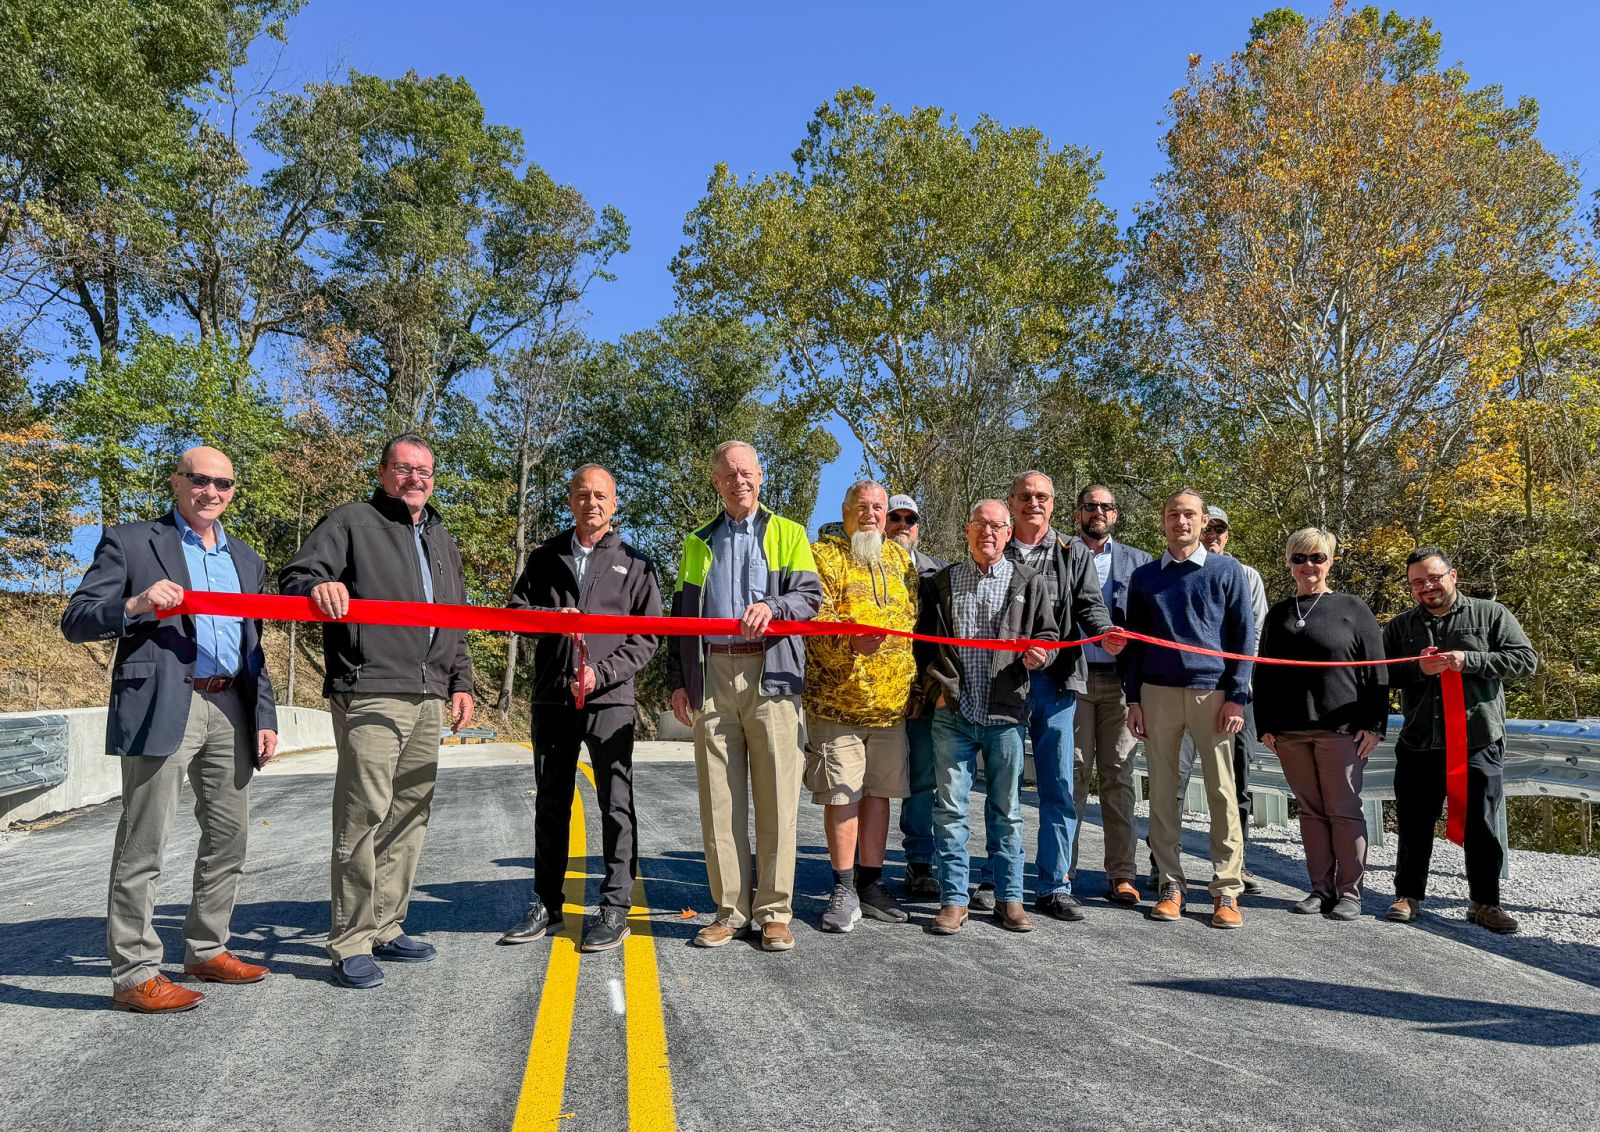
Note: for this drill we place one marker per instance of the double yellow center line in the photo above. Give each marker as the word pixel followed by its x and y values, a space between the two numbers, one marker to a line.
pixel 544 1081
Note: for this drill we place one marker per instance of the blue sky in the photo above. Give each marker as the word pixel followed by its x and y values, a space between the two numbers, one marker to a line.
pixel 634 103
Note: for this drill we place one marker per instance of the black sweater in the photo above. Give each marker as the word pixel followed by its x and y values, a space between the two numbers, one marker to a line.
pixel 1340 627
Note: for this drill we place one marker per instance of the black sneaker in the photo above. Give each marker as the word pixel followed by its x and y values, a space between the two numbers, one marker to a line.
pixel 534 925
pixel 1252 887
pixel 403 949
pixel 608 929
pixel 1315 903
pixel 878 904
pixel 1059 906
pixel 982 899
pixel 920 882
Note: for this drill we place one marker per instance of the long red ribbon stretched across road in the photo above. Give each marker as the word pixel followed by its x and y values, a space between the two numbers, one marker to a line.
pixel 365 611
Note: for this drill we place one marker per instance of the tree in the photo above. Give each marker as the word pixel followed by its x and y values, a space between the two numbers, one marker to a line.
pixel 910 270
pixel 1337 221
pixel 36 524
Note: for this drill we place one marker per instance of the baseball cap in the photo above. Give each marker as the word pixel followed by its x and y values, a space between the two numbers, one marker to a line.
pixel 904 503
pixel 1218 514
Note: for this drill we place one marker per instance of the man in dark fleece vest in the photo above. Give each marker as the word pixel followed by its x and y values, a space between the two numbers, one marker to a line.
pixel 1199 599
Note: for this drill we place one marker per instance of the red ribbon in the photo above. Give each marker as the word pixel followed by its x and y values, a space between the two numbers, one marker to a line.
pixel 429 615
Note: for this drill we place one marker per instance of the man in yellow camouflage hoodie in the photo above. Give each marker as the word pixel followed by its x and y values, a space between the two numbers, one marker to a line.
pixel 855 699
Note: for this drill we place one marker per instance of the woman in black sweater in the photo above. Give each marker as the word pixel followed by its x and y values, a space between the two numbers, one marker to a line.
pixel 1323 722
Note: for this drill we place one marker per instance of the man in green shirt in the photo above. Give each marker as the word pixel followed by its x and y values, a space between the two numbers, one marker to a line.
pixel 1481 640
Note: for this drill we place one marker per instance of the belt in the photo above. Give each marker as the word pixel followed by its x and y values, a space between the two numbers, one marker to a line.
pixel 212 683
pixel 1102 666
pixel 742 648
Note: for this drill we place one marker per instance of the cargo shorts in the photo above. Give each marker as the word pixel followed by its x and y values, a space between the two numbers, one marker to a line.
pixel 844 762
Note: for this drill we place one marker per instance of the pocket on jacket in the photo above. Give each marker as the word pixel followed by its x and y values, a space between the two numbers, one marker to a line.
pixel 133 671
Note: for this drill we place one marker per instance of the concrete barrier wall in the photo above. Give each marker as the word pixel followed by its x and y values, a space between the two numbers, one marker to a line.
pixel 94 777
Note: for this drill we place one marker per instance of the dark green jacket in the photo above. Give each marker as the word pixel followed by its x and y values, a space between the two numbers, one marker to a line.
pixel 1496 649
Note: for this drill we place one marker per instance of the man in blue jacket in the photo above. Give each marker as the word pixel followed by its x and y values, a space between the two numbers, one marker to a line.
pixel 1198 599
pixel 190 697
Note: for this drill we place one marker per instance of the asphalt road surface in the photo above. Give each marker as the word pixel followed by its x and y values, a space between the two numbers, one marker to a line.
pixel 1116 1022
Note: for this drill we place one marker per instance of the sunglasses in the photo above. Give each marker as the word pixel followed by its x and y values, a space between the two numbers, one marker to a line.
pixel 221 483
pixel 1103 508
pixel 1316 559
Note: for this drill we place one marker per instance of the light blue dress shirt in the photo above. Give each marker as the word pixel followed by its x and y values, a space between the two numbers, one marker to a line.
pixel 738 576
pixel 211 568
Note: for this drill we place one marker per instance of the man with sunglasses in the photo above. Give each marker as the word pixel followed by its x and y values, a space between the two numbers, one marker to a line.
pixel 1483 641
pixel 1099 729
pixel 390 688
pixel 190 697
pixel 916 812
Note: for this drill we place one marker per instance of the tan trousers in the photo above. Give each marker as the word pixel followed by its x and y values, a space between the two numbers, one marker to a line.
pixel 217 756
pixel 1100 734
pixel 1168 713
pixel 741 734
pixel 382 793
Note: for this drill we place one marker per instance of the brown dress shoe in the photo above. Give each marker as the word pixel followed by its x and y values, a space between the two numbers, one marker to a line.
pixel 159 995
pixel 1170 906
pixel 949 919
pixel 776 936
pixel 715 934
pixel 1227 913
pixel 1012 916
pixel 1402 911
pixel 1123 892
pixel 225 968
pixel 1493 917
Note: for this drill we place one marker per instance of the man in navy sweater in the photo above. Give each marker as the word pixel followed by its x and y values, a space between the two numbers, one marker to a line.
pixel 1199 599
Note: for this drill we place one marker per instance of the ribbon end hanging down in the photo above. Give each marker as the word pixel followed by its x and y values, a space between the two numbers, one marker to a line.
pixel 1454 698
pixel 580 661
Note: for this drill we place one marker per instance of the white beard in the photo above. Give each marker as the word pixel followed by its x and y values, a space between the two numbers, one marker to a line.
pixel 866 547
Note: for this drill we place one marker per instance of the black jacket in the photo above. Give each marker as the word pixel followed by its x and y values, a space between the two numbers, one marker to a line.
pixel 369 547
pixel 1080 608
pixel 150 692
pixel 619 580
pixel 1027 614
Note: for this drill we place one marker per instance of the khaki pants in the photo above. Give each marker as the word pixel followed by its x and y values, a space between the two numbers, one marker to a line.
pixel 1100 734
pixel 742 734
pixel 217 754
pixel 1168 714
pixel 382 793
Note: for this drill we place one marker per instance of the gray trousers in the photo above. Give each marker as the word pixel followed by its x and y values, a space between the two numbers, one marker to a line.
pixel 217 754
pixel 382 794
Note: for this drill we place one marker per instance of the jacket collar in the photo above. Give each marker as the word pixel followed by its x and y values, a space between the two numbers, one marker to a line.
pixel 396 510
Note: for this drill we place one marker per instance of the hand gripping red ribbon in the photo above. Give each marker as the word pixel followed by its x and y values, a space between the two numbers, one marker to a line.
pixel 365 611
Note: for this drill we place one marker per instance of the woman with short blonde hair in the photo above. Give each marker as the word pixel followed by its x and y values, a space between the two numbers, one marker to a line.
pixel 1322 723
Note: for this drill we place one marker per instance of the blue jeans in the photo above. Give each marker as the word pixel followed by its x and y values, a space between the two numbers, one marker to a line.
pixel 1051 707
pixel 916 812
pixel 956 743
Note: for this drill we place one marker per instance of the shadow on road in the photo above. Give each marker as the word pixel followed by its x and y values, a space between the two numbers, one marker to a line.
pixel 1466 1018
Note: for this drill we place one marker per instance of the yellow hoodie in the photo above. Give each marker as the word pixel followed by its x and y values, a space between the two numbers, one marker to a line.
pixel 844 686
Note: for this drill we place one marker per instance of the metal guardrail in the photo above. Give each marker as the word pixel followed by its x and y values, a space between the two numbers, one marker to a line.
pixel 468 735
pixel 33 753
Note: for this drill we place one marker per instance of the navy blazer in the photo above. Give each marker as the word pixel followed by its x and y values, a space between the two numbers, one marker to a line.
pixel 1125 560
pixel 150 692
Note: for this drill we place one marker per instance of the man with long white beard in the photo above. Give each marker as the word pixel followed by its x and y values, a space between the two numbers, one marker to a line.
pixel 855 699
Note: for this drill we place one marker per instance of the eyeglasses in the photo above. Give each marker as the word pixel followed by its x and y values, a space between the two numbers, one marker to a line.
pixel 404 470
pixel 1429 580
pixel 903 517
pixel 221 483
pixel 996 527
pixel 1103 508
pixel 1215 528
pixel 1316 559
pixel 1029 496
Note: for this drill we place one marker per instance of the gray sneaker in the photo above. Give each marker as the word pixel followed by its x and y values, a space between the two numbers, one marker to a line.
pixel 844 910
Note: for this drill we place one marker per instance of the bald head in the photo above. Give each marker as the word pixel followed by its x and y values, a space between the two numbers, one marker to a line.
pixel 202 488
pixel 207 461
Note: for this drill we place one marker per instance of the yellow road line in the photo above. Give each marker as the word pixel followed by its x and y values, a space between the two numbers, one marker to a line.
pixel 545 1078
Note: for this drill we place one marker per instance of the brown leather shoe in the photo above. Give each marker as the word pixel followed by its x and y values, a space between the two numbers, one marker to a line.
pixel 949 919
pixel 1123 892
pixel 1170 906
pixel 1493 917
pixel 1012 916
pixel 1227 913
pixel 776 936
pixel 224 967
pixel 715 934
pixel 1403 910
pixel 159 995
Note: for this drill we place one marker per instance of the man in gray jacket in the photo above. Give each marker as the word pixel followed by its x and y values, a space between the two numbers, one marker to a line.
pixel 586 568
pixel 388 687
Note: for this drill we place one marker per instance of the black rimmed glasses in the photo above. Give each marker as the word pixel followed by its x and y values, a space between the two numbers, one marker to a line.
pixel 1316 558
pixel 404 470
pixel 1103 508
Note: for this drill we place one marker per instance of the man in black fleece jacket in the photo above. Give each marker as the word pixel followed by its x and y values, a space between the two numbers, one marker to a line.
pixel 586 568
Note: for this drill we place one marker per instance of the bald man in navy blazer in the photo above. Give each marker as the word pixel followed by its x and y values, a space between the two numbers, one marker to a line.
pixel 190 696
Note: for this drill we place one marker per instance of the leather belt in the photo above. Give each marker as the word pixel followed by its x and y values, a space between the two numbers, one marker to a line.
pixel 212 683
pixel 741 648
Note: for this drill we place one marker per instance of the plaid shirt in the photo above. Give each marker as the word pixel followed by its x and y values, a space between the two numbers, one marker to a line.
pixel 977 601
pixel 1041 560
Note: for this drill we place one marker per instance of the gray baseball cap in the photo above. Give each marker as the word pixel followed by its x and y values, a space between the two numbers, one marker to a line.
pixel 904 503
pixel 1218 514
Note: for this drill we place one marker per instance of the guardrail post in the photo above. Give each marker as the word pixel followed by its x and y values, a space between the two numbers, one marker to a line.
pixel 1268 809
pixel 1373 809
pixel 1504 835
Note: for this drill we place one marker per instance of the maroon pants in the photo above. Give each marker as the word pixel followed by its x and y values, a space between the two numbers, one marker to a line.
pixel 1325 774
